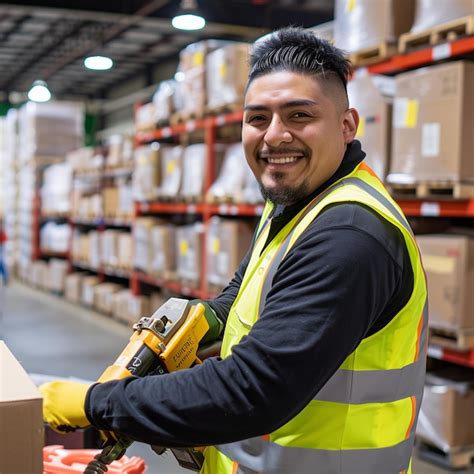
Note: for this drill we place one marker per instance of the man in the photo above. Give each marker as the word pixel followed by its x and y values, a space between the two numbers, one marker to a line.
pixel 325 324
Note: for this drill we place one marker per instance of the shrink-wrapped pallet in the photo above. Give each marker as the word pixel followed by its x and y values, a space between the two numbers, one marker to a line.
pixel 227 71
pixel 230 182
pixel 142 237
pixel 430 13
pixel 165 100
pixel 171 171
pixel 189 253
pixel 360 24
pixel 372 97
pixel 192 71
pixel 163 262
pixel 147 172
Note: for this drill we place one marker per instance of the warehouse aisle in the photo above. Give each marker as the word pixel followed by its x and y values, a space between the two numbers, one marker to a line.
pixel 53 337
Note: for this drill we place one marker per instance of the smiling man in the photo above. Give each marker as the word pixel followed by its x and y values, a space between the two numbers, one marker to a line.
pixel 323 352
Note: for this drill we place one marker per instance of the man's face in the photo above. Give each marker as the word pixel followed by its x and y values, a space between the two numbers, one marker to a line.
pixel 294 135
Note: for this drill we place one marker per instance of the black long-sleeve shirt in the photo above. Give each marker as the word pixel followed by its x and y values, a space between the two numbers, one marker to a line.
pixel 344 279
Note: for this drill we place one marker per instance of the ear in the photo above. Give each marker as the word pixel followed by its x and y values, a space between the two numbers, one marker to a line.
pixel 349 125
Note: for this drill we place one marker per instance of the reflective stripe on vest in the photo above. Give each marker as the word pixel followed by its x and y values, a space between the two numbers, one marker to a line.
pixel 258 455
pixel 345 387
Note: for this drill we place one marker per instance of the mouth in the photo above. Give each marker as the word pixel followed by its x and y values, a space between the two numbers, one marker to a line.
pixel 281 161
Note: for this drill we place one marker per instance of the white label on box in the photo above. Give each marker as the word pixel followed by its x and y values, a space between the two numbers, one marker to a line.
pixel 430 138
pixel 441 51
pixel 166 132
pixel 190 126
pixel 429 209
pixel 400 107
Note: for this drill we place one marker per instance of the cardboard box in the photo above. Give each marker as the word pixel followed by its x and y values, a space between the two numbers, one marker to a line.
pixel 143 255
pixel 372 96
pixel 21 427
pixel 228 241
pixel 88 289
pixel 73 286
pixel 227 71
pixel 449 265
pixel 163 263
pixel 58 269
pixel 125 250
pixel 367 23
pixel 189 253
pixel 111 201
pixel 171 171
pixel 433 12
pixel 446 417
pixel 103 296
pixel 146 176
pixel 433 119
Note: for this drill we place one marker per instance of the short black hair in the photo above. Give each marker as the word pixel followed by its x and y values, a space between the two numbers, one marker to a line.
pixel 298 50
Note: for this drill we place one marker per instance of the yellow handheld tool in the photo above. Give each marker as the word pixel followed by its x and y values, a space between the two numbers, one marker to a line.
pixel 163 343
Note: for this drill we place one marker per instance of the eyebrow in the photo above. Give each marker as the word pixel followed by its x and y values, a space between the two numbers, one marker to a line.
pixel 291 103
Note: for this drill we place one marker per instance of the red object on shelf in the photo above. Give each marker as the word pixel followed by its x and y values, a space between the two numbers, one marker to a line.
pixel 57 460
pixel 465 358
pixel 423 57
pixel 440 208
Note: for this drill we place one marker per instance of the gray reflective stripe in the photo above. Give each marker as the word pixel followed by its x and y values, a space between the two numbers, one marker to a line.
pixel 373 386
pixel 259 455
pixel 381 198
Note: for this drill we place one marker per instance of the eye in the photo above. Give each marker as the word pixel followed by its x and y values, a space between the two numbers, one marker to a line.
pixel 300 115
pixel 256 118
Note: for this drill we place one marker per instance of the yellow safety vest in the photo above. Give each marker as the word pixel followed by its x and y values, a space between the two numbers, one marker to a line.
pixel 363 419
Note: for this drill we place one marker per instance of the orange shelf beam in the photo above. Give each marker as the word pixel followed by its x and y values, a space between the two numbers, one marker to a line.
pixel 465 358
pixel 423 57
pixel 437 208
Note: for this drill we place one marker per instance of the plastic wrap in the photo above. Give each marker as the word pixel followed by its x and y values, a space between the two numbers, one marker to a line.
pixel 227 72
pixel 230 183
pixel 324 31
pixel 50 129
pixel 164 101
pixel 56 189
pixel 55 237
pixel 365 95
pixel 360 24
pixel 143 250
pixel 188 253
pixel 163 263
pixel 147 172
pixel 434 12
pixel 251 193
pixel 171 171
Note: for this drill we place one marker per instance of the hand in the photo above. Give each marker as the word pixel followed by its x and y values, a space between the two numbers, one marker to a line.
pixel 63 405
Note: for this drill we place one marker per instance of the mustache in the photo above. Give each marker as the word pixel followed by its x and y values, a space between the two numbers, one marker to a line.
pixel 281 151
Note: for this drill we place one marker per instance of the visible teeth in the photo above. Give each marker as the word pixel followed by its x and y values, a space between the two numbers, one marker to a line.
pixel 282 160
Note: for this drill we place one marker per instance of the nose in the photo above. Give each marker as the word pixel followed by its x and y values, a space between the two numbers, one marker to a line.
pixel 277 133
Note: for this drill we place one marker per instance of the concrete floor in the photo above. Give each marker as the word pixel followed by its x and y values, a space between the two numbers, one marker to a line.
pixel 52 337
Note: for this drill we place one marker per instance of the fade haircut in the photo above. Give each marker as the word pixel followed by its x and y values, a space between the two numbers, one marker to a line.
pixel 301 51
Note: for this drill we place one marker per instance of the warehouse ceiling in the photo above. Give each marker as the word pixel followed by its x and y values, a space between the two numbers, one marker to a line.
pixel 48 40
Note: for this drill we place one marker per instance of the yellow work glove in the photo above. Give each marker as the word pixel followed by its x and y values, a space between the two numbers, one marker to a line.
pixel 63 405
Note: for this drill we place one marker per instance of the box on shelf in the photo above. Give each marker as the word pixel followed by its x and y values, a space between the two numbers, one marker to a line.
pixel 189 253
pixel 449 265
pixel 103 296
pixel 227 73
pixel 194 169
pixel 120 151
pixel 110 247
pixel 163 240
pixel 372 97
pixel 192 87
pixel 145 117
pixel 110 197
pixel 143 251
pixel 434 12
pixel 324 31
pixel 39 274
pixel 164 101
pixel 88 288
pixel 367 23
pixel 446 417
pixel 125 250
pixel 129 308
pixel 58 269
pixel 73 286
pixel 146 173
pixel 171 171
pixel 21 429
pixel 228 240
pixel 230 182
pixel 432 124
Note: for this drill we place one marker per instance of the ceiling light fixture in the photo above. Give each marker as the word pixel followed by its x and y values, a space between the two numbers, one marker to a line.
pixel 188 17
pixel 98 63
pixel 39 92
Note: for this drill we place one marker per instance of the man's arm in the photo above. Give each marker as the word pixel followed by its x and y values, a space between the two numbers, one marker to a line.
pixel 328 293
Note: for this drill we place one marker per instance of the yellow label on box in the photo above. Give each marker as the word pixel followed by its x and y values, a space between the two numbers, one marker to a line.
pixel 223 69
pixel 411 116
pixel 350 5
pixel 142 159
pixel 170 167
pixel 361 128
pixel 216 246
pixel 198 58
pixel 439 264
pixel 183 247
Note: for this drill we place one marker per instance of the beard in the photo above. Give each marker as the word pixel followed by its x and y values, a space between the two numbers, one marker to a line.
pixel 284 195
